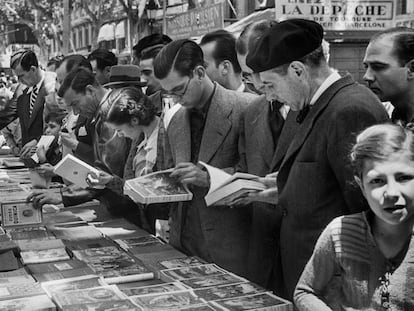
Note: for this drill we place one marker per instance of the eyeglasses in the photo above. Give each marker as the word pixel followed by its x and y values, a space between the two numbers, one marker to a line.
pixel 182 92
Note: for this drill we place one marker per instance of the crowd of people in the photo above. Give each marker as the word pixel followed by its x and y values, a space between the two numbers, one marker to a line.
pixel 333 228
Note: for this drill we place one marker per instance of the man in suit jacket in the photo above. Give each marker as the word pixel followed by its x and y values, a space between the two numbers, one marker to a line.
pixel 220 56
pixel 205 129
pixel 314 176
pixel 36 101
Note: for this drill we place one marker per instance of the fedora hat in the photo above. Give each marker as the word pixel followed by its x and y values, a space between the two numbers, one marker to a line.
pixel 124 75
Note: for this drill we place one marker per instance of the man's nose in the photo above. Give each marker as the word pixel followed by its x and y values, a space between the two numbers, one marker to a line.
pixel 368 76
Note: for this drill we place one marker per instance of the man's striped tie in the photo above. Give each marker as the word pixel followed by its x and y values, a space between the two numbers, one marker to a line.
pixel 33 96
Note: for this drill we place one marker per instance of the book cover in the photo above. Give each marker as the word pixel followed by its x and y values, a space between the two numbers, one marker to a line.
pixel 87 295
pixel 13 163
pixel 225 188
pixel 8 261
pixel 139 241
pixel 46 255
pixel 167 301
pixel 39 244
pixel 28 233
pixel 10 245
pixel 114 265
pixel 13 291
pixel 20 213
pixel 56 266
pixel 34 303
pixel 77 232
pixel 74 170
pixel 154 289
pixel 16 277
pixel 118 305
pixel 13 193
pixel 193 272
pixel 262 301
pixel 181 262
pixel 212 280
pixel 45 141
pixel 65 274
pixel 228 291
pixel 90 243
pixel 77 283
pixel 156 187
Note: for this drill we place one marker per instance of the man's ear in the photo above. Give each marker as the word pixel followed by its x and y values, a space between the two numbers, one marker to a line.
pixel 107 71
pixel 410 66
pixel 200 71
pixel 89 90
pixel 33 68
pixel 225 67
pixel 297 68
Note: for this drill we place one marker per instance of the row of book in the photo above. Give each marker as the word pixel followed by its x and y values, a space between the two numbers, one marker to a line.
pixel 75 260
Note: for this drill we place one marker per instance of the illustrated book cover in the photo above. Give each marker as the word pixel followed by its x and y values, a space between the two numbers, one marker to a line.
pixel 46 255
pixel 34 303
pixel 156 187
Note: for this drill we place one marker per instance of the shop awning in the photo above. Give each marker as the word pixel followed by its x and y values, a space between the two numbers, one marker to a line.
pixel 107 32
pixel 237 27
pixel 120 30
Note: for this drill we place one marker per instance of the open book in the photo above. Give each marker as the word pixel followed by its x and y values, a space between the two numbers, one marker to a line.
pixel 156 187
pixel 225 188
pixel 45 141
pixel 74 170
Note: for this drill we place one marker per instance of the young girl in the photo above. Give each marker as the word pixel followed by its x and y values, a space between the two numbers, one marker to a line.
pixel 365 261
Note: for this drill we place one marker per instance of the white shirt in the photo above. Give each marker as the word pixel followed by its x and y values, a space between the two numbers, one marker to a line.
pixel 38 85
pixel 333 77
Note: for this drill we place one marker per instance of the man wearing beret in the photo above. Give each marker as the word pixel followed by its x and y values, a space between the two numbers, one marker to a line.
pixel 314 181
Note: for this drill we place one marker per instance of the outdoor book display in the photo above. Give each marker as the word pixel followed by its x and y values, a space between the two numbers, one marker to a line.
pixel 81 258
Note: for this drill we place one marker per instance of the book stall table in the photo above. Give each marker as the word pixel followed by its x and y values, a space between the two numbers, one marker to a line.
pixel 82 258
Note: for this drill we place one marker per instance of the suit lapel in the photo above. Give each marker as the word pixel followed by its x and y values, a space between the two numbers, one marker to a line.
pixel 38 104
pixel 306 127
pixel 179 136
pixel 288 133
pixel 217 126
pixel 261 129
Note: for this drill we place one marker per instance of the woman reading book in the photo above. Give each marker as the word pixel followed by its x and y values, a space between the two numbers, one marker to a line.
pixel 133 115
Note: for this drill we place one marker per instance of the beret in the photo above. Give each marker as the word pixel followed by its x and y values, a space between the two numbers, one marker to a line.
pixel 285 42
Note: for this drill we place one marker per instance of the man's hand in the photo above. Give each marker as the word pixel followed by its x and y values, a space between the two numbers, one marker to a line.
pixel 68 140
pixel 45 169
pixel 190 174
pixel 269 195
pixel 42 197
pixel 28 149
pixel 100 180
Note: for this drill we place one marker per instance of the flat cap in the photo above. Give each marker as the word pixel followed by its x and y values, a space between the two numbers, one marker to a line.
pixel 285 42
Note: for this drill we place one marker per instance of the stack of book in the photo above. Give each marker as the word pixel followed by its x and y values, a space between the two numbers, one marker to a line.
pixel 114 265
pixel 88 292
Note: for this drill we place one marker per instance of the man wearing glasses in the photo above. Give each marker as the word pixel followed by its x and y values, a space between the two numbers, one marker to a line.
pixel 205 129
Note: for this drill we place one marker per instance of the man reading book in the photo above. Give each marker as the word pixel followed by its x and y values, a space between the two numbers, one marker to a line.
pixel 206 128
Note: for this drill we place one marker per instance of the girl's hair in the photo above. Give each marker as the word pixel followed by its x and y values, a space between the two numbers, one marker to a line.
pixel 55 117
pixel 127 103
pixel 379 142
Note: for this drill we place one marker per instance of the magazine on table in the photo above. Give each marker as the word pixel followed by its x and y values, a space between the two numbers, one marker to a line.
pixel 157 187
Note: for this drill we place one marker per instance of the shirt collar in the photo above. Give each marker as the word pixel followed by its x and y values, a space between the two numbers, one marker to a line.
pixel 333 77
pixel 38 85
pixel 241 88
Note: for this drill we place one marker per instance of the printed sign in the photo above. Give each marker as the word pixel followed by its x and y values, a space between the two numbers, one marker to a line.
pixel 196 22
pixel 340 14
